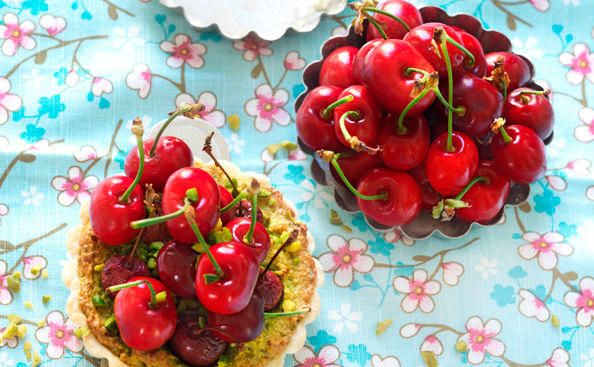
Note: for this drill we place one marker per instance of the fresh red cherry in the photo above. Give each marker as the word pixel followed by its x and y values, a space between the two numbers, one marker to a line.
pixel 354 165
pixel 517 69
pixel 314 126
pixel 207 205
pixel 242 326
pixel 337 68
pixel 231 292
pixel 362 118
pixel 194 345
pixel 407 12
pixel 171 154
pixel 260 243
pixel 175 264
pixel 270 286
pixel 485 198
pixel 531 108
pixel 144 324
pixel 244 210
pixel 387 74
pixel 360 59
pixel 406 150
pixel 429 196
pixel 421 38
pixel 119 269
pixel 519 154
pixel 449 172
pixel 157 232
pixel 473 45
pixel 225 199
pixel 401 202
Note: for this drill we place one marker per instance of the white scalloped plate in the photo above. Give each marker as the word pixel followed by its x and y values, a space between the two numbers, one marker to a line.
pixel 269 19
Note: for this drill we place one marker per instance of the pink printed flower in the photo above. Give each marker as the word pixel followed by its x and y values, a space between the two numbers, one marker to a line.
pixel 556 183
pixel 8 102
pixel 267 107
pixel 346 258
pixel 546 246
pixel 140 78
pixel 5 293
pixel 100 86
pixel 75 187
pixel 52 25
pixel 293 61
pixel 584 133
pixel 252 46
pixel 531 306
pixel 395 235
pixel 452 271
pixel 71 78
pixel 296 155
pixel 58 334
pixel 480 339
pixel 432 344
pixel 214 116
pixel 184 51
pixel 409 330
pixel 580 166
pixel 3 210
pixel 85 153
pixel 583 301
pixel 16 35
pixel 541 5
pixel 418 291
pixel 326 357
pixel 559 358
pixel 581 64
pixel 9 342
pixel 33 262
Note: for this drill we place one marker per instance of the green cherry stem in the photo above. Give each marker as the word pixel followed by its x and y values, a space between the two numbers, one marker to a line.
pixel 457 110
pixel 191 197
pixel 154 298
pixel 506 138
pixel 401 129
pixel 242 195
pixel 341 123
pixel 446 56
pixel 470 184
pixel 537 92
pixel 181 110
pixel 327 112
pixel 383 12
pixel 254 190
pixel 336 166
pixel 270 315
pixel 378 26
pixel 415 70
pixel 453 42
pixel 138 131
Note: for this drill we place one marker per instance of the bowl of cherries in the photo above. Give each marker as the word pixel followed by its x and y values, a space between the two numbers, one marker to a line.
pixel 423 121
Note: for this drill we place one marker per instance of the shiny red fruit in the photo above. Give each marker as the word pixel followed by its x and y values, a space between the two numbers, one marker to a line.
pixel 473 45
pixel 110 219
pixel 406 151
pixel 240 327
pixel 517 69
pixel 407 12
pixel 175 264
pixel 225 199
pixel 523 159
pixel 142 327
pixel 360 59
pixel 171 154
pixel 531 110
pixel 207 206
pixel 485 200
pixel 194 345
pixel 447 172
pixel 337 68
pixel 260 244
pixel 270 286
pixel 231 293
pixel 355 165
pixel 429 196
pixel 119 269
pixel 364 126
pixel 403 202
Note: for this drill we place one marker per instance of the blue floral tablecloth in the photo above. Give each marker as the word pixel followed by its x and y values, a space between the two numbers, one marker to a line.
pixel 74 73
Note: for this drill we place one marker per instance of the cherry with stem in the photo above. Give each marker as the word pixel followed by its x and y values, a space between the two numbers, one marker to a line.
pixel 445 209
pixel 353 141
pixel 327 112
pixel 156 298
pixel 441 38
pixel 362 10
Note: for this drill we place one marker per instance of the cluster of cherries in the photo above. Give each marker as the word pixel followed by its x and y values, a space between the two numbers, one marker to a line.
pixel 181 204
pixel 420 117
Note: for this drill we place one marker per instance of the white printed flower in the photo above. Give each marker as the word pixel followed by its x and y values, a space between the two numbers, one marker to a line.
pixel 35 79
pixel 16 34
pixel 140 79
pixel 127 40
pixel 486 267
pixel 252 46
pixel 183 51
pixel 532 306
pixel 210 113
pixel 293 61
pixel 590 193
pixel 5 293
pixel 58 334
pixel 452 271
pixel 32 197
pixel 320 194
pixel 432 344
pixel 8 102
pixel 580 63
pixel 100 86
pixel 71 78
pixel 546 247
pixel 479 339
pixel 417 290
pixel 389 361
pixel 395 235
pixel 585 133
pixel 268 107
pixel 33 266
pixel 75 187
pixel 527 48
pixel 588 359
pixel 52 25
pixel 345 318
pixel 560 358
pixel 345 258
pixel 85 153
pixel 326 357
pixel 9 342
pixel 583 301
pixel 409 330
pixel 580 167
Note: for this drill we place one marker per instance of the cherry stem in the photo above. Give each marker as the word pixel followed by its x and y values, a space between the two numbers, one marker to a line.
pixel 453 42
pixel 156 220
pixel 327 112
pixel 504 92
pixel 180 110
pixel 537 92
pixel 401 129
pixel 292 237
pixel 376 24
pixel 383 12
pixel 207 148
pixel 242 195
pixel 269 315
pixel 152 303
pixel 138 131
pixel 470 184
pixel 506 138
pixel 129 260
pixel 446 56
pixel 190 217
pixel 457 110
pixel 415 70
pixel 336 166
pixel 341 122
pixel 250 234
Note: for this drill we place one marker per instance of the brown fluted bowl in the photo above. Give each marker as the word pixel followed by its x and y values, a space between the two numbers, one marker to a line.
pixel 424 225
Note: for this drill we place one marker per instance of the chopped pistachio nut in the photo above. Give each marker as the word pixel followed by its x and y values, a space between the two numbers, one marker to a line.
pixel 335 218
pixel 151 263
pixel 22 331
pixel 45 299
pixel 156 245
pixel 555 320
pixel 289 305
pixel 263 193
pixel 85 331
pixel 429 358
pixel 271 201
pixel 161 296
pixel 296 261
pixel 217 236
pixel 81 332
pixel 14 318
pixel 98 268
pixel 293 247
pixel 288 145
pixel 110 323
pixel 382 326
pixel 201 322
pixel 36 360
pixel 347 229
pixel 98 300
pixel 461 346
pixel 223 361
pixel 13 283
pixel 17 274
pixel 28 305
pixel 27 346
pixel 283 237
pixel 44 273
pixel 198 247
pixel 41 323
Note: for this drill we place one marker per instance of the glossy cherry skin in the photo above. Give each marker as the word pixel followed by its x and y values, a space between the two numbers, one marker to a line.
pixel 485 200
pixel 176 263
pixel 315 130
pixel 406 151
pixel 403 202
pixel 142 327
pixel 337 68
pixel 193 345
pixel 447 172
pixel 110 219
pixel 206 208
pixel 119 269
pixel 420 37
pixel 244 210
pixel 355 165
pixel 473 45
pixel 384 73
pixel 429 196
pixel 393 29
pixel 366 126
pixel 260 244
pixel 531 110
pixel 360 58
pixel 240 327
pixel 522 160
pixel 514 66
pixel 483 103
pixel 270 287
pixel 225 199
pixel 171 154
pixel 231 293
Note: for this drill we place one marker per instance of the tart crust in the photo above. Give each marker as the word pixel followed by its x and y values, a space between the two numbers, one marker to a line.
pixel 86 251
